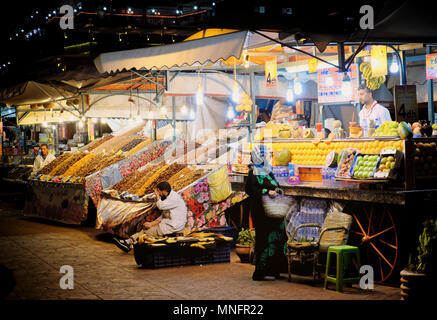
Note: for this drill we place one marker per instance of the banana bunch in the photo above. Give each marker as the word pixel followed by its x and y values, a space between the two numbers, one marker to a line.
pixel 202 244
pixel 245 104
pixel 373 83
pixel 146 239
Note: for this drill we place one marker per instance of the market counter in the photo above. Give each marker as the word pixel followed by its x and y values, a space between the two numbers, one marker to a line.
pixel 336 190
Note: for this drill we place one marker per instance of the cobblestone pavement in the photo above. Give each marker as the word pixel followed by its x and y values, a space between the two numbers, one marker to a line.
pixel 35 250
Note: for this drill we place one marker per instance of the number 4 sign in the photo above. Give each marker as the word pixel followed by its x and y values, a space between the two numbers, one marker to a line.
pixel 271 71
pixel 406 103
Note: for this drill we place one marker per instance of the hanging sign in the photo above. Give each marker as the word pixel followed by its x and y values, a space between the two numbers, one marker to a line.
pixel 271 72
pixel 379 60
pixel 431 66
pixel 329 85
pixel 312 65
pixel 406 103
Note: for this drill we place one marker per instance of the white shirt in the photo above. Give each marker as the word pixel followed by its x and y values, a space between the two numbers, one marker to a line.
pixel 376 112
pixel 40 162
pixel 174 216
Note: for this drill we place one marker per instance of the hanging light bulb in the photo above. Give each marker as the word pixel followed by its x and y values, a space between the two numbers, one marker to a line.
pixel 230 114
pixel 138 118
pixel 329 80
pixel 104 120
pixel 184 109
pixel 199 95
pixel 44 124
pixel 289 95
pixel 83 119
pixel 81 124
pixel 297 86
pixel 394 67
pixel 346 86
pixel 192 114
pixel 236 93
pixel 164 110
pixel 60 120
pixel 246 61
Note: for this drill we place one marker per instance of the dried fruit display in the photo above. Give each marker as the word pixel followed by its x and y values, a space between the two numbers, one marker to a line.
pixel 131 144
pixel 346 160
pixel 139 147
pixel 100 142
pixel 150 179
pixel 62 167
pixel 135 177
pixel 106 162
pixel 89 166
pixel 179 175
pixel 78 165
pixel 119 141
pixel 187 179
pixel 20 173
pixel 165 175
pixel 48 168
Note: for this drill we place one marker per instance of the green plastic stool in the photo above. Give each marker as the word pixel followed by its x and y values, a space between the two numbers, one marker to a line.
pixel 343 254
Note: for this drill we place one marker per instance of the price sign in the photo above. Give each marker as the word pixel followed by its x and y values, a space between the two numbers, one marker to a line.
pixel 406 103
pixel 312 65
pixel 431 66
pixel 379 61
pixel 271 72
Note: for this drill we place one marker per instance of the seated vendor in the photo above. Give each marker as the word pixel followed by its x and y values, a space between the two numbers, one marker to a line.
pixel 43 159
pixel 173 218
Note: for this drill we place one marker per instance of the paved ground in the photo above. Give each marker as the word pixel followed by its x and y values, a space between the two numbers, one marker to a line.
pixel 35 250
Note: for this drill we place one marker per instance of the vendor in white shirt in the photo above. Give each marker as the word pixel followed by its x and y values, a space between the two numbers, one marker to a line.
pixel 172 220
pixel 372 110
pixel 43 159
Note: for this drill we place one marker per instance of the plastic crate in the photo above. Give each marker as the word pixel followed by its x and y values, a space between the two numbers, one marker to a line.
pixel 222 253
pixel 226 231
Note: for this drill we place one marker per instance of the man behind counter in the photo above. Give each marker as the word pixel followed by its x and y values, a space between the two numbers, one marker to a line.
pixel 372 110
pixel 43 159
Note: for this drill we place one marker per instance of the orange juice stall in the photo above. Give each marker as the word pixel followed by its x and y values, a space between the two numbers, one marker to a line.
pixel 380 181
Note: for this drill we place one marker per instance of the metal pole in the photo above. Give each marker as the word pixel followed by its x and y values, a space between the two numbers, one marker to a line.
pixel 253 115
pixel 431 116
pixel 173 100
pixel 403 69
pixel 341 57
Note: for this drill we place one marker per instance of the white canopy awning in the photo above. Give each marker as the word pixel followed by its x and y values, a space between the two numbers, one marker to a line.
pixel 181 54
pixel 32 92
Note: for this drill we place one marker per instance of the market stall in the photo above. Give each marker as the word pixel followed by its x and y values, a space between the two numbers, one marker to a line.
pixel 373 179
pixel 75 177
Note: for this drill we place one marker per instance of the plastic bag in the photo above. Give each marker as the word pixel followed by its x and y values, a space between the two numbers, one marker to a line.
pixel 219 185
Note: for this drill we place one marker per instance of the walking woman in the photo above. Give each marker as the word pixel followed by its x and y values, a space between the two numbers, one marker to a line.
pixel 270 237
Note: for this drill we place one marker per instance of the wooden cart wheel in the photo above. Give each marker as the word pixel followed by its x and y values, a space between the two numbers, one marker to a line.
pixel 378 237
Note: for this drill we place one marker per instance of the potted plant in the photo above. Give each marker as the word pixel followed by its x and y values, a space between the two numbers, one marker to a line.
pixel 245 245
pixel 416 279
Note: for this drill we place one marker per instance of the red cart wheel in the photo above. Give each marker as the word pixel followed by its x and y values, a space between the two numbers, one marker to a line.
pixel 377 232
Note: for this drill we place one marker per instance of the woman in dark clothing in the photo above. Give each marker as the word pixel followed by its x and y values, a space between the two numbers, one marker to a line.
pixel 270 237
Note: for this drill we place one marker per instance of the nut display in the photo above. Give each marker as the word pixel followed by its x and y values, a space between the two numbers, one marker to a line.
pixel 187 179
pixel 99 142
pixel 164 176
pixel 131 144
pixel 48 168
pixel 65 165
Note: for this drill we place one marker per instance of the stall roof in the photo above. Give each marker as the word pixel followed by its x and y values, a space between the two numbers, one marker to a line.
pixel 187 53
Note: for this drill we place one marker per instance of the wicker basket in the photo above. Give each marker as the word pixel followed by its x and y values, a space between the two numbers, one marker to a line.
pixel 277 207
